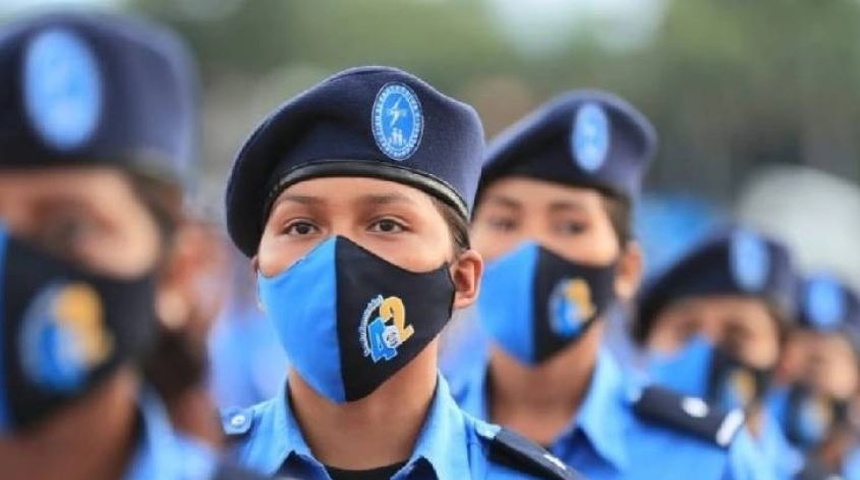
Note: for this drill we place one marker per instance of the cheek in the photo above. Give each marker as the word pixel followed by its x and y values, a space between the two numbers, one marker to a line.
pixel 489 245
pixel 127 249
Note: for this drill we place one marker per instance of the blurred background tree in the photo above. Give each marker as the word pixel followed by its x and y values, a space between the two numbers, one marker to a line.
pixel 730 84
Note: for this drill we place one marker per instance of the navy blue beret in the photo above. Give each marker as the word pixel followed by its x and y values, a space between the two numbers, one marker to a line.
pixel 731 261
pixel 583 138
pixel 828 305
pixel 80 88
pixel 367 122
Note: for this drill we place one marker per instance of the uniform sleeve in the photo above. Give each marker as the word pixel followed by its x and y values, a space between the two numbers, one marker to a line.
pixel 745 463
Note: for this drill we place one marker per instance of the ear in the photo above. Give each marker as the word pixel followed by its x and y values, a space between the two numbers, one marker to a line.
pixel 255 270
pixel 194 279
pixel 630 267
pixel 466 273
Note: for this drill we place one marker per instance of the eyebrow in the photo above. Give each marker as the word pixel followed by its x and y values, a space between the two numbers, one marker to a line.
pixel 566 206
pixel 377 199
pixel 504 201
pixel 301 199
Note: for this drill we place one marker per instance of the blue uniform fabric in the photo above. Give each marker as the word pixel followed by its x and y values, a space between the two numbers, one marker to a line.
pixel 776 450
pixel 851 465
pixel 162 453
pixel 451 445
pixel 240 375
pixel 607 440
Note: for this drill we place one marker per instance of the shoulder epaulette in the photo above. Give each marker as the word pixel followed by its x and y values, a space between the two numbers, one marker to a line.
pixel 812 470
pixel 237 421
pixel 689 414
pixel 231 472
pixel 521 454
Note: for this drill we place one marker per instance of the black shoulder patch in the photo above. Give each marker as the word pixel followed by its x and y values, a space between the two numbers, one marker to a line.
pixel 521 454
pixel 689 414
pixel 814 471
pixel 230 472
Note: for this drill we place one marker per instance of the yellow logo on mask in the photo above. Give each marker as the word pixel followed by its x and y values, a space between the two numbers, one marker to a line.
pixel 382 336
pixel 571 305
pixel 64 336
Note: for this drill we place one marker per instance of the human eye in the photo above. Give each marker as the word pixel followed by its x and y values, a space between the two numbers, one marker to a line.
pixel 66 233
pixel 570 227
pixel 300 228
pixel 502 223
pixel 387 225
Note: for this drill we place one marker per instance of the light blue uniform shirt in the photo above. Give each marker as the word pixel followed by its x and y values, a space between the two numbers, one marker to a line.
pixel 776 450
pixel 451 445
pixel 163 454
pixel 607 440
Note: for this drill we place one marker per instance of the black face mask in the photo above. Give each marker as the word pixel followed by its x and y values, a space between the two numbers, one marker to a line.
pixel 809 418
pixel 535 303
pixel 732 383
pixel 63 330
pixel 349 320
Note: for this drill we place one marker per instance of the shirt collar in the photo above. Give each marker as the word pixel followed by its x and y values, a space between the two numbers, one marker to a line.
pixel 160 452
pixel 441 442
pixel 601 416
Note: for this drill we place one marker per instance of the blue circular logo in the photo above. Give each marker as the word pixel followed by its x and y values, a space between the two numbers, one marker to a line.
pixel 824 303
pixel 590 138
pixel 749 261
pixel 62 88
pixel 397 121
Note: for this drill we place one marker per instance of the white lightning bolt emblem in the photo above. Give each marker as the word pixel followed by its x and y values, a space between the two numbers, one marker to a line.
pixel 395 112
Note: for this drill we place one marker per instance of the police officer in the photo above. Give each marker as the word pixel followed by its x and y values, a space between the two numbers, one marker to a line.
pixel 815 411
pixel 715 323
pixel 97 134
pixel 553 218
pixel 352 201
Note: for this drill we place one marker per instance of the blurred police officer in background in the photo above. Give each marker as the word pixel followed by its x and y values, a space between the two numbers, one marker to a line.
pixel 98 134
pixel 352 200
pixel 552 217
pixel 815 410
pixel 716 323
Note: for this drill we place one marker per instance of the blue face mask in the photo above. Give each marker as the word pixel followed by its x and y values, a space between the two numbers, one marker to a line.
pixel 535 303
pixel 702 370
pixel 809 418
pixel 349 320
pixel 63 330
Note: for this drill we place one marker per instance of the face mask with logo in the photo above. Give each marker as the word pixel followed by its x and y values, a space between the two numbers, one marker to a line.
pixel 63 330
pixel 535 303
pixel 349 320
pixel 700 369
pixel 810 417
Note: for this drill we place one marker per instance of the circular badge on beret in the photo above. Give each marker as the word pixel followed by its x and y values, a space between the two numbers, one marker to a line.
pixel 398 121
pixel 64 336
pixel 62 88
pixel 824 303
pixel 749 261
pixel 590 137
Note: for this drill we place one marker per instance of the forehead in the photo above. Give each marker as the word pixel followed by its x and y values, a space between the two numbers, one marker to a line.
pixel 532 193
pixel 346 193
pixel 748 310
pixel 62 181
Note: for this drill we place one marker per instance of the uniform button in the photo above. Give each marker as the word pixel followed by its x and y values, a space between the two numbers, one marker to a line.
pixel 238 420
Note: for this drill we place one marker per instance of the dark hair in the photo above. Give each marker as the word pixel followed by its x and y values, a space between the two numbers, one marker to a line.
pixel 457 225
pixel 163 200
pixel 619 210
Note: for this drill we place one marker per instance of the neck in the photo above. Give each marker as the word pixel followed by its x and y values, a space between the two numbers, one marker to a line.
pixel 376 431
pixel 92 439
pixel 755 420
pixel 539 401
